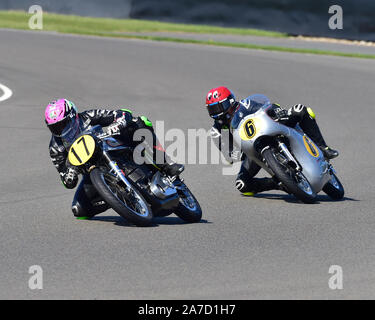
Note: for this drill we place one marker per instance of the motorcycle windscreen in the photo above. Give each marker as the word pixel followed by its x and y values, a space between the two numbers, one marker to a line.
pixel 248 106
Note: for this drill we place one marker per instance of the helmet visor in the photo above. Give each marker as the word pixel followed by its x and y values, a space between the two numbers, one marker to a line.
pixel 58 127
pixel 71 131
pixel 217 109
pixel 66 128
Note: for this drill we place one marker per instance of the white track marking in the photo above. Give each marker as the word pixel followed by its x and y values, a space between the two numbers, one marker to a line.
pixel 7 92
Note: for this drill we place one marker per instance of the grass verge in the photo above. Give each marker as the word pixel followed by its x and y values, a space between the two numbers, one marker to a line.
pixel 118 28
pixel 84 25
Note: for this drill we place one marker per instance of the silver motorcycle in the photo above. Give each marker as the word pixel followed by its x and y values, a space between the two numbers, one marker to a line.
pixel 286 153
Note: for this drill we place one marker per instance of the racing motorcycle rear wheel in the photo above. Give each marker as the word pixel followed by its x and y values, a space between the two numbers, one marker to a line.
pixel 188 208
pixel 295 182
pixel 129 204
pixel 334 188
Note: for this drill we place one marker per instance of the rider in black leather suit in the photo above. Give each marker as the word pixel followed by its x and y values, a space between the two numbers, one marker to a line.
pixel 87 202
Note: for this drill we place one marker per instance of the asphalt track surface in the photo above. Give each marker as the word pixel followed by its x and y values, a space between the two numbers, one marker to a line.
pixel 269 246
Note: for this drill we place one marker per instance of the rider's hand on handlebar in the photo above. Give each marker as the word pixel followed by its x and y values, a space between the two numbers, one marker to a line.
pixel 112 130
pixel 280 114
pixel 71 176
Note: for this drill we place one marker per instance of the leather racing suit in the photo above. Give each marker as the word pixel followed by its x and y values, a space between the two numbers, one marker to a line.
pixel 246 182
pixel 87 202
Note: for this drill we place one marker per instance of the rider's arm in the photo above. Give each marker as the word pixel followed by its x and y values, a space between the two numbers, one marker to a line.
pixel 277 113
pixel 291 116
pixel 215 134
pixel 224 142
pixel 118 119
pixel 58 154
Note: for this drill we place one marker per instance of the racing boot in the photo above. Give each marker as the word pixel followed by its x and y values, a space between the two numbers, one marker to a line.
pixel 168 167
pixel 172 169
pixel 256 185
pixel 329 153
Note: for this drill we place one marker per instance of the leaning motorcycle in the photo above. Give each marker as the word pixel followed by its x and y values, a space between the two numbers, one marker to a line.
pixel 136 192
pixel 287 154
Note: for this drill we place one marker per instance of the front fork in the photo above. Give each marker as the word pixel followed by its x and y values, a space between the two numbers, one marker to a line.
pixel 291 160
pixel 118 172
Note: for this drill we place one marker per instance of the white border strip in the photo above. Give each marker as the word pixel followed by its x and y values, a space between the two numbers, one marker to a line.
pixel 7 92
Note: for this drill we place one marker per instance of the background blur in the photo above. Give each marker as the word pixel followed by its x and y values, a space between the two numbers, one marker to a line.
pixel 304 17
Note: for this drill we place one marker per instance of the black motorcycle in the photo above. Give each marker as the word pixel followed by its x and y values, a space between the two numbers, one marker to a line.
pixel 135 192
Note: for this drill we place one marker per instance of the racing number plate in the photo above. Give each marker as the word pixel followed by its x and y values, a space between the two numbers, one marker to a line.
pixel 311 147
pixel 81 150
pixel 248 130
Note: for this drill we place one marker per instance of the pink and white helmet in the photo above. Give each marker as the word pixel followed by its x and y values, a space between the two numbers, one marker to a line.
pixel 61 117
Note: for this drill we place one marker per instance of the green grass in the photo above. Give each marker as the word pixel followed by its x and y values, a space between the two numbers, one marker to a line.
pixel 119 29
pixel 87 25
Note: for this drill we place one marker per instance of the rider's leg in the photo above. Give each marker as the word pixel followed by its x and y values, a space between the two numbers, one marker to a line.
pixel 247 184
pixel 87 202
pixel 306 119
pixel 159 157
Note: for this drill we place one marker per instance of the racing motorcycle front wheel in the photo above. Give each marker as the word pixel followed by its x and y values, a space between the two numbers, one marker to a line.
pixel 129 204
pixel 294 181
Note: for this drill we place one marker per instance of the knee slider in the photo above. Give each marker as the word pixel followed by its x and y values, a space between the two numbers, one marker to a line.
pixel 240 185
pixel 244 188
pixel 78 211
pixel 146 121
pixel 311 112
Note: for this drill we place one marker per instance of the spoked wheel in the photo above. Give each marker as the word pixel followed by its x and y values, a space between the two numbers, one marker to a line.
pixel 334 188
pixel 294 181
pixel 129 198
pixel 128 203
pixel 188 208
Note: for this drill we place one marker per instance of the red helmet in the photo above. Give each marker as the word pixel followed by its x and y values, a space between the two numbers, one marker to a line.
pixel 219 101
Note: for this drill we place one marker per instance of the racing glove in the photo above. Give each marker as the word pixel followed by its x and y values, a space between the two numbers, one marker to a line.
pixel 70 177
pixel 280 113
pixel 112 130
pixel 115 128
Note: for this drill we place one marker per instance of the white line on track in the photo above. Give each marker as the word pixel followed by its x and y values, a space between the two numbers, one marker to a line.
pixel 7 92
